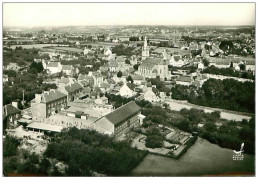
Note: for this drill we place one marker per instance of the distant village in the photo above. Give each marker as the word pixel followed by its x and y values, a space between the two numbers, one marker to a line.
pixel 79 99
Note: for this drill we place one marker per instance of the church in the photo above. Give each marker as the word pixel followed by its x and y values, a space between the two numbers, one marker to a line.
pixel 153 67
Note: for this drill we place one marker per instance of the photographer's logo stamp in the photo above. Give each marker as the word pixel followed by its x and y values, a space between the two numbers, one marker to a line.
pixel 238 154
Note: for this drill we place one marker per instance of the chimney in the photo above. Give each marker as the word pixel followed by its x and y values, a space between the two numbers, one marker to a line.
pixel 15 104
pixel 38 98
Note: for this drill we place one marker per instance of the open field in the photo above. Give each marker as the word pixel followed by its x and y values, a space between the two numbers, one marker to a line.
pixel 70 49
pixel 202 159
pixel 36 46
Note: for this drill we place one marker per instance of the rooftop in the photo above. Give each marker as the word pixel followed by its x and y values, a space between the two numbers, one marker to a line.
pixel 122 113
pixel 67 67
pixel 53 64
pixel 73 87
pixel 51 96
pixel 45 126
pixel 151 62
pixel 184 79
pixel 10 110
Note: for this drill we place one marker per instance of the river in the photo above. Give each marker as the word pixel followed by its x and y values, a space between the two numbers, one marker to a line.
pixel 202 159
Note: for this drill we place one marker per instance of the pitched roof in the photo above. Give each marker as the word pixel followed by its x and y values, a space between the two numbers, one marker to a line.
pixel 52 64
pixel 220 61
pixel 10 110
pixel 184 79
pixel 176 58
pixel 65 80
pixel 120 59
pixel 110 81
pixel 123 113
pixel 52 95
pixel 73 87
pixel 104 85
pixel 45 126
pixel 96 74
pixel 112 63
pixel 151 62
pixel 85 77
pixel 137 77
pixel 67 67
pixel 86 90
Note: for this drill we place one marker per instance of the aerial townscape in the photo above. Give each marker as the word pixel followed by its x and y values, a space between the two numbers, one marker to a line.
pixel 128 100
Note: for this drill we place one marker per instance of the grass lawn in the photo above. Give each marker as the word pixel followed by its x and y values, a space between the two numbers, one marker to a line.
pixel 202 159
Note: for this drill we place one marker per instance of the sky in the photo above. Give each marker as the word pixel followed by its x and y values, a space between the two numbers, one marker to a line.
pixel 66 14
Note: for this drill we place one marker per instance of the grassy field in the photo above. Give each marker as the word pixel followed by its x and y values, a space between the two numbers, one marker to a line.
pixel 68 49
pixel 36 46
pixel 202 159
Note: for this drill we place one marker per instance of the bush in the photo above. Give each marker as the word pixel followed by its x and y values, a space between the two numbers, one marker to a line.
pixel 154 141
pixel 10 146
pixel 44 166
pixel 184 125
pixel 209 126
pixel 85 150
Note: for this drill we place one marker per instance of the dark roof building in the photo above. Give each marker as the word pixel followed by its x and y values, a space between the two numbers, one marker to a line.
pixel 48 96
pixel 10 110
pixel 120 120
pixel 73 87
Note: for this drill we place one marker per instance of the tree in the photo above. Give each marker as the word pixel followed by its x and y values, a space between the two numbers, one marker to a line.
pixel 119 74
pixel 129 79
pixel 154 141
pixel 206 62
pixel 184 125
pixel 127 61
pixel 242 67
pixel 10 146
pixel 136 67
pixel 37 66
pixel 209 126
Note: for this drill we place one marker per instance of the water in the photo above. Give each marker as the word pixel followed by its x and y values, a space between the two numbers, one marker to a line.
pixel 202 159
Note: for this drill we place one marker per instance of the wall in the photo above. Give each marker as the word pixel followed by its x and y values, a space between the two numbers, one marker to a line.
pixel 104 126
pixel 38 110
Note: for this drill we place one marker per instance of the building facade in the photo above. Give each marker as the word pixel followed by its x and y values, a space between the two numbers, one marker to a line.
pixel 48 103
pixel 11 114
pixel 153 67
pixel 72 91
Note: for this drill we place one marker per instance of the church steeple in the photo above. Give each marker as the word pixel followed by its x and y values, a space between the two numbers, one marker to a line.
pixel 145 43
pixel 145 50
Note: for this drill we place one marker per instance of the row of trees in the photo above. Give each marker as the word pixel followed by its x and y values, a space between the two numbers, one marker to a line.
pixel 20 56
pixel 226 94
pixel 229 72
pixel 120 50
pixel 28 82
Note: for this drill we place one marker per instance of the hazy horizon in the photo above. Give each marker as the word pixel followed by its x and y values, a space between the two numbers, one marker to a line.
pixel 127 14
